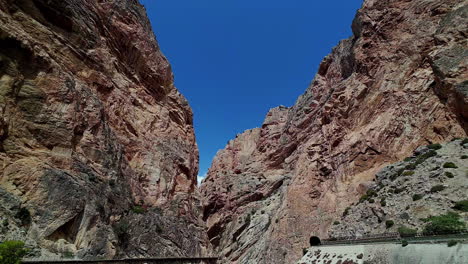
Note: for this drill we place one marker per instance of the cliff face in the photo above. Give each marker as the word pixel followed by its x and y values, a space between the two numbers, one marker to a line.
pixel 398 83
pixel 428 183
pixel 97 149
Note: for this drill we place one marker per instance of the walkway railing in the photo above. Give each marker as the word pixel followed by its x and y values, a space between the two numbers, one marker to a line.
pixel 174 260
pixel 390 237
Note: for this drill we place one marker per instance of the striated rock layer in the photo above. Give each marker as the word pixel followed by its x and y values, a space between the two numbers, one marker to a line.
pixel 398 83
pixel 97 149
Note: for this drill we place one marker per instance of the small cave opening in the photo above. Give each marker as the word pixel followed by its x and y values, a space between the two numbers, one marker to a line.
pixel 69 230
pixel 315 241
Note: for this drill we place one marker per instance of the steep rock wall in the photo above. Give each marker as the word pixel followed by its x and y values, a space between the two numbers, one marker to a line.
pixel 97 149
pixel 398 83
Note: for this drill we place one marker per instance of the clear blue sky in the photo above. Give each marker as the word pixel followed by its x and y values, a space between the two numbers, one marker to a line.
pixel 235 59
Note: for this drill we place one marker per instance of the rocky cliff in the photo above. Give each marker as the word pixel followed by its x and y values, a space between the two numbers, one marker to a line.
pixel 97 149
pixel 398 83
pixel 429 183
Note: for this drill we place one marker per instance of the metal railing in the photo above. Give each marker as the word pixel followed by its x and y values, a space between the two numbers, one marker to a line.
pixel 170 260
pixel 390 237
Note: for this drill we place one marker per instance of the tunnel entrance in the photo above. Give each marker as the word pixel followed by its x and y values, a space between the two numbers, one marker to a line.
pixel 315 241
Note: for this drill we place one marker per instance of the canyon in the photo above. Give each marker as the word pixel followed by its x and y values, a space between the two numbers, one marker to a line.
pixel 99 157
pixel 398 83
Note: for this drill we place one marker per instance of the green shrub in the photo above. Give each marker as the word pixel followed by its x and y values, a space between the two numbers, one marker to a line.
pixel 363 198
pixel 444 224
pixel 383 202
pixel 452 243
pixel 410 166
pixel 389 223
pixel 398 190
pixel 449 174
pixel 371 200
pixel 450 165
pixel 417 197
pixel 371 193
pixel 437 188
pixel 423 157
pixel 404 243
pixel 464 141
pixel 434 146
pixel 464 157
pixel 336 222
pixel 407 232
pixel 346 211
pixel 408 159
pixel 121 230
pixel 68 255
pixel 408 173
pixel 138 209
pixel 11 252
pixel 461 206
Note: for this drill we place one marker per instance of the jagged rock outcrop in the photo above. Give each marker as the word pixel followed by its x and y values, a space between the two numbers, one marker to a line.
pixel 429 183
pixel 97 149
pixel 398 83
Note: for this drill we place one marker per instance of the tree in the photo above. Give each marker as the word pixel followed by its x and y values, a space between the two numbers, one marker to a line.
pixel 11 252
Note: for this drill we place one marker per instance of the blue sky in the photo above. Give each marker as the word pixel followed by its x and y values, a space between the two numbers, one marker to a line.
pixel 235 59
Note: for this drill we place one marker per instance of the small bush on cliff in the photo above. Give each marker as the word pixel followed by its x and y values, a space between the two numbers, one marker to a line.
pixel 461 206
pixel 464 141
pixel 346 211
pixel 121 230
pixel 444 224
pixel 408 173
pixel 437 188
pixel 383 202
pixel 336 223
pixel 423 157
pixel 449 174
pixel 68 255
pixel 450 165
pixel 11 252
pixel 404 243
pixel 464 157
pixel 407 232
pixel 434 146
pixel 389 223
pixel 138 209
pixel 452 243
pixel 417 197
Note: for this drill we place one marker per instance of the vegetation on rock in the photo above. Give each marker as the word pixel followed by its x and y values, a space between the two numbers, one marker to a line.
pixel 11 252
pixel 444 224
pixel 407 232
pixel 461 206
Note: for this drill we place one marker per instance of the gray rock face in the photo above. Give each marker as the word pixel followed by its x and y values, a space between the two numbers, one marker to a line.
pixel 406 193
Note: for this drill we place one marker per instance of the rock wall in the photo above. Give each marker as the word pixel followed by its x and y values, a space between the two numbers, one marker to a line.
pixel 423 253
pixel 428 183
pixel 399 82
pixel 97 149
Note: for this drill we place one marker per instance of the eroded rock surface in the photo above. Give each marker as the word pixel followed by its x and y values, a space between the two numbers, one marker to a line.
pixel 96 143
pixel 428 183
pixel 398 83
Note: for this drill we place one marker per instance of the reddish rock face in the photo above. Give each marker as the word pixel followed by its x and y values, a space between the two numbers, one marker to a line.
pixel 398 83
pixel 93 132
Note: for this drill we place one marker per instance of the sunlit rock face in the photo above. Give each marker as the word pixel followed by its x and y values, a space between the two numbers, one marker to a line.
pixel 97 149
pixel 399 82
